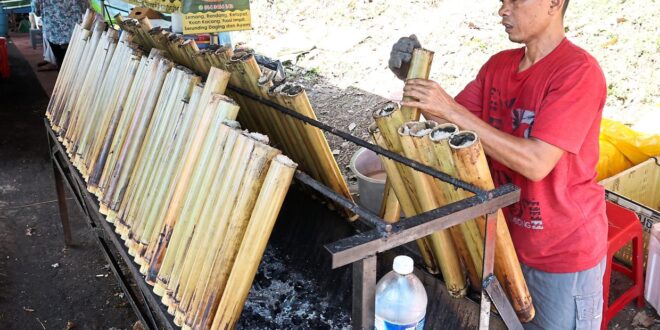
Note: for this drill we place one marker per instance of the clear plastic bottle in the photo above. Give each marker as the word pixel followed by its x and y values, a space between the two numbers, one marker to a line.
pixel 400 298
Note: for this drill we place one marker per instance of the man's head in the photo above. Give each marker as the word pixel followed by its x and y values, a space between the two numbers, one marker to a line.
pixel 527 20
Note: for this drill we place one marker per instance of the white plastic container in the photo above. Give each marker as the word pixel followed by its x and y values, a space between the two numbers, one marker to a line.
pixel 400 298
pixel 652 291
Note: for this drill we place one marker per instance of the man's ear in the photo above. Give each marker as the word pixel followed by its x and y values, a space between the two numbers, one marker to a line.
pixel 556 6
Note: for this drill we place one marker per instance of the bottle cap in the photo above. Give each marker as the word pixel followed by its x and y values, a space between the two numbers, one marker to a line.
pixel 403 265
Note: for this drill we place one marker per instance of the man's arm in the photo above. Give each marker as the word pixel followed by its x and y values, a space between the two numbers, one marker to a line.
pixel 531 157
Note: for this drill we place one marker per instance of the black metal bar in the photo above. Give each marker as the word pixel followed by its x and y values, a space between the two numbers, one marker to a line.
pixel 362 245
pixel 364 213
pixel 346 136
pixel 61 202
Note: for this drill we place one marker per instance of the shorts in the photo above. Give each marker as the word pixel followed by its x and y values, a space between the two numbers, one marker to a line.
pixel 566 300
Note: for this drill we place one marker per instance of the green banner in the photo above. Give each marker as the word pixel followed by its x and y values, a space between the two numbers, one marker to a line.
pixel 208 16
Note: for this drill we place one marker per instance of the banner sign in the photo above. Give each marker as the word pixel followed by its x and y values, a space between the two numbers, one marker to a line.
pixel 208 16
pixel 163 6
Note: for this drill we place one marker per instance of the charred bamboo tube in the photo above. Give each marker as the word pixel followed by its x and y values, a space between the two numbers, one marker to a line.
pixel 420 67
pixel 295 98
pixel 473 168
pixel 202 210
pixel 163 219
pixel 403 196
pixel 137 131
pixel 162 119
pixel 225 108
pixel 154 144
pixel 390 209
pixel 90 66
pixel 443 193
pixel 206 156
pixel 115 49
pixel 158 191
pixel 119 123
pixel 250 252
pixel 470 230
pixel 65 66
pixel 441 242
pixel 193 205
pixel 99 148
pixel 78 79
pixel 234 223
pixel 92 84
pixel 228 193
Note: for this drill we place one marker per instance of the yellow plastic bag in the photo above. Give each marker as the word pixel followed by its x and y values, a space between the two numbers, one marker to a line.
pixel 621 148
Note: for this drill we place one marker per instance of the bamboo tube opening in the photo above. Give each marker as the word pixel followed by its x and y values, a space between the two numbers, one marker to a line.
pixel 386 109
pixel 240 57
pixel 443 131
pixel 417 128
pixel 232 124
pixel 463 139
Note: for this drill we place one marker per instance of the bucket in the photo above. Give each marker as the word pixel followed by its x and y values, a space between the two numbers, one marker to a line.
pixel 369 170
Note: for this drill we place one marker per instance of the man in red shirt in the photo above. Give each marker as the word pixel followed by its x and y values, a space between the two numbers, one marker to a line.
pixel 537 110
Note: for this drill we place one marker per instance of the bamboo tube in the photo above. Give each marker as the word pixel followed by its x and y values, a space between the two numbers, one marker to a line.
pixel 74 45
pixel 443 193
pixel 202 210
pixel 87 102
pixel 206 159
pixel 473 168
pixel 405 199
pixel 153 196
pixel 147 69
pixel 471 233
pixel 157 138
pixel 94 70
pixel 103 150
pixel 162 119
pixel 90 86
pixel 234 222
pixel 164 217
pixel 193 207
pixel 78 79
pixel 251 251
pixel 137 131
pixel 441 242
pixel 420 67
pixel 390 209
pixel 158 190
pixel 226 109
pixel 228 192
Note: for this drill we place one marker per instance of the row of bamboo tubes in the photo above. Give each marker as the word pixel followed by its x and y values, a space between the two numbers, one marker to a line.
pixel 458 250
pixel 193 196
pixel 306 144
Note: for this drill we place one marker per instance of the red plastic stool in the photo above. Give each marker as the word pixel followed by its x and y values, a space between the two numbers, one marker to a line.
pixel 4 59
pixel 623 227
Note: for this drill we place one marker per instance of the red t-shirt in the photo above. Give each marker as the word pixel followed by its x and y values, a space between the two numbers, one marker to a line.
pixel 559 225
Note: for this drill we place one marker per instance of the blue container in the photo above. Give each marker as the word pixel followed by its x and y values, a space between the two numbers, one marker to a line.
pixel 4 22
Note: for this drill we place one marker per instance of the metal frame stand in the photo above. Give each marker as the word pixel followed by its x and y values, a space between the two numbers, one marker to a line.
pixel 143 301
pixel 360 249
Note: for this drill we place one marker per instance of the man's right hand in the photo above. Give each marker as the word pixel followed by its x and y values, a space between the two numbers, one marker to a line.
pixel 401 55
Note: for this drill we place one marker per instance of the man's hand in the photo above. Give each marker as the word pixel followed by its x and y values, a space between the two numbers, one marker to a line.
pixel 401 55
pixel 430 98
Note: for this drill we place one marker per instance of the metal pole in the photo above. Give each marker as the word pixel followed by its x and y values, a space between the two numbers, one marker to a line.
pixel 364 293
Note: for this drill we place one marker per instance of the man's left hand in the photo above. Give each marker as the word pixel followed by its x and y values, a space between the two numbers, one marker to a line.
pixel 429 98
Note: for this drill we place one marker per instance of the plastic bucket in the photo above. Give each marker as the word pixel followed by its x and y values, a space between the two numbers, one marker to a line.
pixel 369 170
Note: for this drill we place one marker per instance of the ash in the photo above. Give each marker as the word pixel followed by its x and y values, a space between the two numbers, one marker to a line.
pixel 286 297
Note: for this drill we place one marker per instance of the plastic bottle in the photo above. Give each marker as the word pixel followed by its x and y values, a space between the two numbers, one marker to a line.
pixel 652 293
pixel 400 298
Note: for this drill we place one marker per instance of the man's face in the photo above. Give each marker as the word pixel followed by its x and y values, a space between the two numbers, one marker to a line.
pixel 524 20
